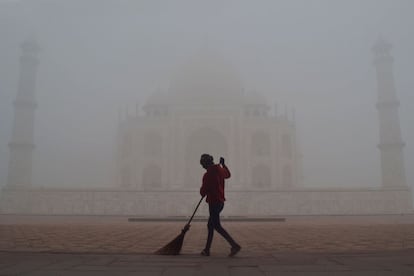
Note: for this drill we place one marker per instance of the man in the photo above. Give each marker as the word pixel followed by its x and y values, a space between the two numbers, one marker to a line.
pixel 213 188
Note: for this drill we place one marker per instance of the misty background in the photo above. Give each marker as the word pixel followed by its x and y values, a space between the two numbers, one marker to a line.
pixel 99 55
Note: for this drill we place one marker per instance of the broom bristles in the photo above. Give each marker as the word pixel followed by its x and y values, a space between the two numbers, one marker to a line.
pixel 173 247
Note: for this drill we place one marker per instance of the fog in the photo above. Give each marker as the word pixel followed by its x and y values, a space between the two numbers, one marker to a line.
pixel 101 56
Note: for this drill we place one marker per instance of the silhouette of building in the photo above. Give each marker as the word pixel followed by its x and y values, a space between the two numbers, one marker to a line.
pixel 391 144
pixel 22 144
pixel 206 110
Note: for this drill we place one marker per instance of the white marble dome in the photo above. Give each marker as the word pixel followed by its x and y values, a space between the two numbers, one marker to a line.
pixel 206 78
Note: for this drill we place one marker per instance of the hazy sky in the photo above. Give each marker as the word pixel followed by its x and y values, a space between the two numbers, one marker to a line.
pixel 98 55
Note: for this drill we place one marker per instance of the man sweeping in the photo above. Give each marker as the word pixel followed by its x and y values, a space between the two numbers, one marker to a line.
pixel 213 189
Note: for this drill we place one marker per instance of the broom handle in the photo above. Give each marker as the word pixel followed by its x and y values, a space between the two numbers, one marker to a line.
pixel 188 223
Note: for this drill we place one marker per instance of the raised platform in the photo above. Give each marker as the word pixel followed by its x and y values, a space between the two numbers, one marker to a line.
pixel 181 203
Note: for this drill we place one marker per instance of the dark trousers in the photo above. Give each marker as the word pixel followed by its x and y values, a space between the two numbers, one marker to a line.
pixel 214 224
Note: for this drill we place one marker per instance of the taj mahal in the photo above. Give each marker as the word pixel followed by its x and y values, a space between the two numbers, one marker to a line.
pixel 207 110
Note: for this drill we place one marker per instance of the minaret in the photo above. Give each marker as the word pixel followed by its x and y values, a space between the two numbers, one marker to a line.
pixel 391 144
pixel 22 143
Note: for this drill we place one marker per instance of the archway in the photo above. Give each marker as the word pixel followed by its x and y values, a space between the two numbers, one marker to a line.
pixel 261 176
pixel 260 144
pixel 151 177
pixel 152 144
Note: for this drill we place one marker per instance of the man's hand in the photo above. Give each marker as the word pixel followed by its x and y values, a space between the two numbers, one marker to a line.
pixel 222 161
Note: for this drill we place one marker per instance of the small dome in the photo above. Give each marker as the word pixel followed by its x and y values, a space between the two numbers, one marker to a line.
pixel 30 45
pixel 158 97
pixel 381 46
pixel 254 98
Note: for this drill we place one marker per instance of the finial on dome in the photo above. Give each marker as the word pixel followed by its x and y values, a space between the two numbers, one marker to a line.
pixel 136 109
pixel 275 106
pixel 119 115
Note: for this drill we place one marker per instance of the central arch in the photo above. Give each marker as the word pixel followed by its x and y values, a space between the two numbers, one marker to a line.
pixel 203 140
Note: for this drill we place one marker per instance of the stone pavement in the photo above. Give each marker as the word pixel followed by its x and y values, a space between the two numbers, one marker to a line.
pixel 117 235
pixel 300 246
pixel 284 264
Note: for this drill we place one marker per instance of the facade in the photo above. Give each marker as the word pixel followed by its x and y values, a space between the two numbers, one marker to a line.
pixel 207 111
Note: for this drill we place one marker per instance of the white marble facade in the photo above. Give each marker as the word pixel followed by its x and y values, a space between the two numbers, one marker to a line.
pixel 206 110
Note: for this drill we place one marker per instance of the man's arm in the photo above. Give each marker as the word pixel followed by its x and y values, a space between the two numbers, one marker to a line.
pixel 203 189
pixel 225 170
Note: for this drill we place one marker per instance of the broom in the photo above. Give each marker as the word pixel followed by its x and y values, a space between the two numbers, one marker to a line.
pixel 174 247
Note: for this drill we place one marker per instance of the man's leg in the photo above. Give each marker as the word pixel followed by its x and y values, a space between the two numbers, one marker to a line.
pixel 220 229
pixel 210 227
pixel 210 234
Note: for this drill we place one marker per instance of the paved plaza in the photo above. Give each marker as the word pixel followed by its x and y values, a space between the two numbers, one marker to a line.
pixel 378 245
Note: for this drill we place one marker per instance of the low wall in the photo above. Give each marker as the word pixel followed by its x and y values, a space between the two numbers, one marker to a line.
pixel 181 203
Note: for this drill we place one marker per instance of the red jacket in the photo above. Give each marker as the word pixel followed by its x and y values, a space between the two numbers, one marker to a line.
pixel 213 183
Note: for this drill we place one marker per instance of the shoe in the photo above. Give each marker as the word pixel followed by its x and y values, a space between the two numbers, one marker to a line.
pixel 205 252
pixel 234 250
